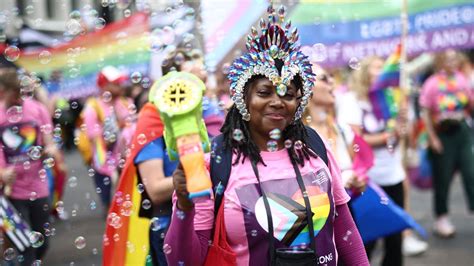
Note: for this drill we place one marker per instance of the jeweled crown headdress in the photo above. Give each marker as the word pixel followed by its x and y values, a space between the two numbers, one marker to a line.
pixel 276 42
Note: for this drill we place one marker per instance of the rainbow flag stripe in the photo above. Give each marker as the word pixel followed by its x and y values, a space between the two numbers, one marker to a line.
pixel 125 43
pixel 100 152
pixel 127 241
pixel 385 93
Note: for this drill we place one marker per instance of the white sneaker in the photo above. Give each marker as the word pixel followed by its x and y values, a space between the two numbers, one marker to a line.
pixel 412 246
pixel 443 227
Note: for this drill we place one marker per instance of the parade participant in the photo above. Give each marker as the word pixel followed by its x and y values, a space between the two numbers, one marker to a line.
pixel 154 165
pixel 27 152
pixel 104 118
pixel 321 115
pixel 152 168
pixel 446 99
pixel 272 191
pixel 355 110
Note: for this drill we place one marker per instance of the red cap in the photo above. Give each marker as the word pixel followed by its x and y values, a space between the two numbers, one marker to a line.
pixel 110 74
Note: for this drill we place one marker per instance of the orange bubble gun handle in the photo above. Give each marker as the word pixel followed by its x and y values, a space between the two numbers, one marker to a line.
pixel 191 156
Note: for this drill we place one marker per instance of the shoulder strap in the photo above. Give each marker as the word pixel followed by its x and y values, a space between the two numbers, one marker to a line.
pixel 221 164
pixel 316 144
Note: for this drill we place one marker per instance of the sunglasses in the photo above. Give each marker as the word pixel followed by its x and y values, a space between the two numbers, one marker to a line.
pixel 324 78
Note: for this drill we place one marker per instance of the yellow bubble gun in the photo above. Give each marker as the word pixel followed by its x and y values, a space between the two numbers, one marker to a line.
pixel 178 97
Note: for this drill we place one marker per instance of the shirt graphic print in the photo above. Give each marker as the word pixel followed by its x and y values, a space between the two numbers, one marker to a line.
pixel 289 215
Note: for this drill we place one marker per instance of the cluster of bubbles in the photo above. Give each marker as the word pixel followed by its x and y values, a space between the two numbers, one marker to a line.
pixel 272 144
pixel 126 209
pixel 114 220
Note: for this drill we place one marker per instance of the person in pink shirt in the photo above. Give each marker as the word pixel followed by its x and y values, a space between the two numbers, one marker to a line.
pixel 282 200
pixel 446 100
pixel 27 150
pixel 105 118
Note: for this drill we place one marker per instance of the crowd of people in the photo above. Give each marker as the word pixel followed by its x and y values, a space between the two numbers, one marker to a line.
pixel 289 190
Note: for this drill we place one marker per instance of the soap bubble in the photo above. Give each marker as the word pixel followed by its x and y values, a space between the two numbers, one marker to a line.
pixel 167 249
pixel 14 114
pixel 9 254
pixel 319 52
pixel 44 57
pixel 35 152
pixel 33 196
pixel 126 208
pixel 354 63
pixel 275 134
pixel 146 204
pixel 80 242
pixel 155 224
pixel 99 23
pixel 12 53
pixel 272 146
pixel 288 143
pixel 136 77
pixel 36 239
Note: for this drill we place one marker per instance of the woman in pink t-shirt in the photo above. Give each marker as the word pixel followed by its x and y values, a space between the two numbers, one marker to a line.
pixel 446 99
pixel 277 183
pixel 27 151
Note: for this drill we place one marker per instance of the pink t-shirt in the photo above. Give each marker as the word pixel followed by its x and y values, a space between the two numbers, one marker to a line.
pixel 115 115
pixel 20 132
pixel 245 215
pixel 446 96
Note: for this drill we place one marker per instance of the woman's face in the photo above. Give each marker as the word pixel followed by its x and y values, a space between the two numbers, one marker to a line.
pixel 450 62
pixel 195 67
pixel 114 89
pixel 374 69
pixel 323 90
pixel 267 109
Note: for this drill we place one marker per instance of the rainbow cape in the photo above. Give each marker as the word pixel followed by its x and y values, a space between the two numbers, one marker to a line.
pixel 385 94
pixel 122 44
pixel 128 242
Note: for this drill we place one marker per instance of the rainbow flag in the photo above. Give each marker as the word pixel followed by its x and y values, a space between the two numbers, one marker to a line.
pixel 122 44
pixel 126 238
pixel 385 94
pixel 56 177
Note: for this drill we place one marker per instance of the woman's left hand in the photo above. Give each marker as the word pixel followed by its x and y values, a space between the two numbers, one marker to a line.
pixel 357 183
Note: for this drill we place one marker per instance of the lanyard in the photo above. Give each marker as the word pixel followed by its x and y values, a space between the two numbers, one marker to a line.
pixel 309 213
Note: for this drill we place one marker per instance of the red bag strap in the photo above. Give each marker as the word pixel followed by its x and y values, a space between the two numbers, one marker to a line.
pixel 219 231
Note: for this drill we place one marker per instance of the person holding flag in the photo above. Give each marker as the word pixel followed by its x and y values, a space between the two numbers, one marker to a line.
pixel 381 124
pixel 446 100
pixel 104 118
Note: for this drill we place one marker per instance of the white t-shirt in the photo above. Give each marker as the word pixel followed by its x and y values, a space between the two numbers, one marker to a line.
pixel 339 148
pixel 388 169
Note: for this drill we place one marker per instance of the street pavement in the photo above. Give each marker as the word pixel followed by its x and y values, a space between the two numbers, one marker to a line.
pixel 86 219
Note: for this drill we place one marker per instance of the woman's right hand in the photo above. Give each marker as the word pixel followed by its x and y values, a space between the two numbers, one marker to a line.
pixel 436 145
pixel 179 182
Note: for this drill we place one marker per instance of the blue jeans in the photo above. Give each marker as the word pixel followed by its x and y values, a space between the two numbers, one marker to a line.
pixel 157 239
pixel 105 188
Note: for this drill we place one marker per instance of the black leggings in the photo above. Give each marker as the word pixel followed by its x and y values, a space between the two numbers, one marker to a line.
pixel 392 243
pixel 36 215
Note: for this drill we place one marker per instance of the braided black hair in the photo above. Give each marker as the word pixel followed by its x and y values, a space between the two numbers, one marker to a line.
pixel 247 148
